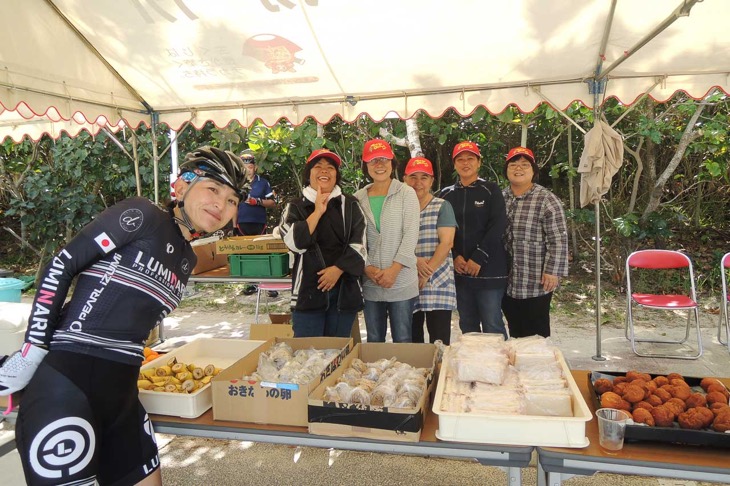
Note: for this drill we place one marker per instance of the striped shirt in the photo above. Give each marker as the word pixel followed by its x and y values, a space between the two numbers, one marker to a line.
pixel 536 239
pixel 395 242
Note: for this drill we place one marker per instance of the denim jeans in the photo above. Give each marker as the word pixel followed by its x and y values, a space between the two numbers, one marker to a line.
pixel 480 310
pixel 401 320
pixel 329 322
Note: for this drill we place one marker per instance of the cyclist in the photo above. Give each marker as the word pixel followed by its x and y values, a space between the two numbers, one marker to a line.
pixel 81 420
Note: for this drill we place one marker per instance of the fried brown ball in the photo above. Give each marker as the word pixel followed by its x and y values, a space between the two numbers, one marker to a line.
pixel 651 386
pixel 654 400
pixel 620 388
pixel 644 405
pixel 682 392
pixel 678 406
pixel 674 376
pixel 643 385
pixel 632 375
pixel 718 388
pixel 663 394
pixel 718 407
pixel 663 416
pixel 707 414
pixel 666 387
pixel 602 386
pixel 722 422
pixel 633 394
pixel 643 416
pixel 619 379
pixel 696 400
pixel 677 382
pixel 661 381
pixel 706 382
pixel 695 418
pixel 611 400
pixel 716 397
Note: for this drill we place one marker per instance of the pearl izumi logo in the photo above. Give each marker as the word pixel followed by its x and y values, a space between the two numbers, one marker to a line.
pixel 62 448
pixel 131 220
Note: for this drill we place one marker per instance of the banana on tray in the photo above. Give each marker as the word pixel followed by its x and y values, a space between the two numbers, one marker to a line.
pixel 176 377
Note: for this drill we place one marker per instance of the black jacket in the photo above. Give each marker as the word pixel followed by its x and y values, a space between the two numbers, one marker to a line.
pixel 349 254
pixel 482 219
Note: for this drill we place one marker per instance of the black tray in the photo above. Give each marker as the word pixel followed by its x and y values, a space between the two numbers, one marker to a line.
pixel 675 434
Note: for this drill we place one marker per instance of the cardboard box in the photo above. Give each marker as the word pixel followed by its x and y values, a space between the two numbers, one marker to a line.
pixel 370 422
pixel 243 245
pixel 208 259
pixel 518 430
pixel 219 352
pixel 268 331
pixel 268 402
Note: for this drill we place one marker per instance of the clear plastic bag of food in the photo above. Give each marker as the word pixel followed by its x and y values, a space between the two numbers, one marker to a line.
pixel 350 376
pixel 381 394
pixel 372 373
pixel 360 396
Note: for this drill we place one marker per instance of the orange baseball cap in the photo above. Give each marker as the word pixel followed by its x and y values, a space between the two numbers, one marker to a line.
pixel 375 149
pixel 327 154
pixel 466 147
pixel 419 164
pixel 521 151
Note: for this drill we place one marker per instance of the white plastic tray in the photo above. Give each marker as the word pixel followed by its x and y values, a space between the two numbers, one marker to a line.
pixel 220 352
pixel 523 430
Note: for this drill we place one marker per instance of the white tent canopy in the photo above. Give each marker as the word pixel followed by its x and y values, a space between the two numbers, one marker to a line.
pixel 200 60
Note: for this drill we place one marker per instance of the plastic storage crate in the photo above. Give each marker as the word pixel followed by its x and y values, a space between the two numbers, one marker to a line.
pixel 266 265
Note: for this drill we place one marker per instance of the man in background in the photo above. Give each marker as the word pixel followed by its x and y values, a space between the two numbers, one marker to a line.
pixel 252 211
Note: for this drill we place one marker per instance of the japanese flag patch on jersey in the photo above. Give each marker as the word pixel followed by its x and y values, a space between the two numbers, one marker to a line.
pixel 104 242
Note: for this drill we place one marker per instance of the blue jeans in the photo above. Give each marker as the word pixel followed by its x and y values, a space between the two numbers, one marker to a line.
pixel 480 310
pixel 401 320
pixel 329 322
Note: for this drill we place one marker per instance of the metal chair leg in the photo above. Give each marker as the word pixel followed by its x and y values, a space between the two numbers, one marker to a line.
pixel 700 350
pixel 258 300
pixel 723 323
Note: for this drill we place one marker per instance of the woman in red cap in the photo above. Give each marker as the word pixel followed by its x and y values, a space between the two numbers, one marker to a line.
pixel 391 287
pixel 537 241
pixel 437 297
pixel 326 231
pixel 480 261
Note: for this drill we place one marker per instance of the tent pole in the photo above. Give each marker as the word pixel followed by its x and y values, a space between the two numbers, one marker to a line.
pixel 155 156
pixel 597 209
pixel 136 166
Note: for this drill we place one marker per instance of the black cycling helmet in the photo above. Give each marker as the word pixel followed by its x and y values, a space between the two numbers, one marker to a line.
pixel 248 156
pixel 220 165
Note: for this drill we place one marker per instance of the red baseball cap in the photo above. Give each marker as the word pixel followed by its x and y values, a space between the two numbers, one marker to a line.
pixel 466 147
pixel 327 154
pixel 419 164
pixel 521 151
pixel 375 149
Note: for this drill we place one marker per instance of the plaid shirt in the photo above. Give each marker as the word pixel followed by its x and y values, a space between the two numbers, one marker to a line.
pixel 536 240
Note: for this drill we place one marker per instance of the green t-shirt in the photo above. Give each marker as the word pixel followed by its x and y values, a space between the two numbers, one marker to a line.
pixel 376 204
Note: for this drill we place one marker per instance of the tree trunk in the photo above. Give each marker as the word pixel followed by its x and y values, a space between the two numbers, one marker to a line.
pixel 636 154
pixel 690 134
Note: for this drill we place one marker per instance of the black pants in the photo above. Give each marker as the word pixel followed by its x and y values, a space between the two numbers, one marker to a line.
pixel 245 229
pixel 438 323
pixel 527 317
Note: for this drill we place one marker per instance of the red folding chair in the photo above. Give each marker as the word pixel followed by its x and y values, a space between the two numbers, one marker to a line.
pixel 724 302
pixel 662 260
pixel 265 287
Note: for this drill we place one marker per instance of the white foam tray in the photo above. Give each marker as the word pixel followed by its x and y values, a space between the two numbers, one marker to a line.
pixel 220 352
pixel 522 430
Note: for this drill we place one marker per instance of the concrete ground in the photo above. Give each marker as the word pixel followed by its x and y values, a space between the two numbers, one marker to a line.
pixel 193 461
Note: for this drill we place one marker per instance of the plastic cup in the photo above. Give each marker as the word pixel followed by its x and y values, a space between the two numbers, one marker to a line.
pixel 611 428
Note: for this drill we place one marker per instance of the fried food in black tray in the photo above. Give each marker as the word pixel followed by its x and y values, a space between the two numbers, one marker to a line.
pixel 671 408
